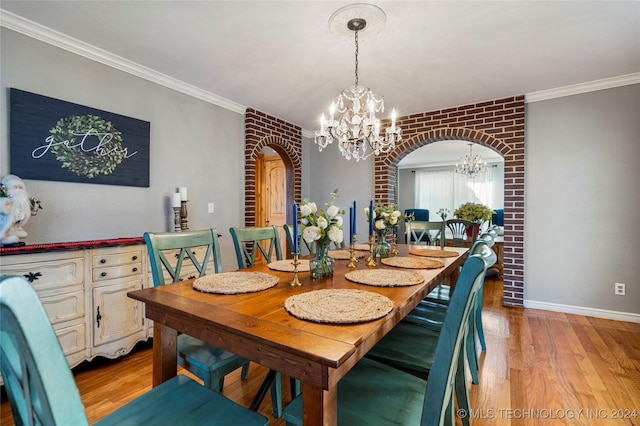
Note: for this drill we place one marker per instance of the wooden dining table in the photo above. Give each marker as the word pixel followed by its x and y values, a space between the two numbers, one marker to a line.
pixel 258 327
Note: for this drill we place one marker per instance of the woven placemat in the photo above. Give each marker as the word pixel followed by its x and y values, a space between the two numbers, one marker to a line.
pixel 344 254
pixel 235 282
pixel 338 306
pixel 286 265
pixel 429 252
pixel 412 262
pixel 362 247
pixel 384 277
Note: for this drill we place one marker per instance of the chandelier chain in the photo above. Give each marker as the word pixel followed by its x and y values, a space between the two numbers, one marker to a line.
pixel 356 36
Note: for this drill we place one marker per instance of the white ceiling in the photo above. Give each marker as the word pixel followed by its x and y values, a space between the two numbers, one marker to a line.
pixel 280 57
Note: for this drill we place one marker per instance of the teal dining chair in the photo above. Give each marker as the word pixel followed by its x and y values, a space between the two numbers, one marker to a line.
pixel 254 240
pixel 404 346
pixel 442 294
pixel 264 243
pixel 373 393
pixel 41 388
pixel 169 252
pixel 302 244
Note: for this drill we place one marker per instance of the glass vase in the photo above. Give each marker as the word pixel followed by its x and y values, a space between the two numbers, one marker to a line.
pixel 321 265
pixel 381 248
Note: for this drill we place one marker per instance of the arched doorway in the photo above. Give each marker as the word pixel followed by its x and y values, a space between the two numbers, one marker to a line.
pixel 497 124
pixel 263 130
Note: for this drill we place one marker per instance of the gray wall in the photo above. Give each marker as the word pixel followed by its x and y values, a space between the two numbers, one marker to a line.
pixel 582 230
pixel 193 144
pixel 328 171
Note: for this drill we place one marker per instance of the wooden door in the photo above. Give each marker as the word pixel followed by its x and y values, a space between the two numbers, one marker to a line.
pixel 272 197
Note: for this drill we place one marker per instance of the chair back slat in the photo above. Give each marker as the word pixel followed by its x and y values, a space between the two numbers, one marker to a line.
pixel 252 240
pixel 160 244
pixel 38 380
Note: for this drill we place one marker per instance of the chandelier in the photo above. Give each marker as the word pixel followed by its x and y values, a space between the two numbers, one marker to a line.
pixel 356 129
pixel 471 165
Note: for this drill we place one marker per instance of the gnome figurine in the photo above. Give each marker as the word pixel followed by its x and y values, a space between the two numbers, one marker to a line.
pixel 15 209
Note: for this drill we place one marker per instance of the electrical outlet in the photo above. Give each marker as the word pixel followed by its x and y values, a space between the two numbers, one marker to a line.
pixel 619 289
pixel 211 208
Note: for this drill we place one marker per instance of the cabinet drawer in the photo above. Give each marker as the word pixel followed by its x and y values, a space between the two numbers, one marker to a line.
pixel 46 272
pixel 64 307
pixel 108 273
pixel 72 338
pixel 114 259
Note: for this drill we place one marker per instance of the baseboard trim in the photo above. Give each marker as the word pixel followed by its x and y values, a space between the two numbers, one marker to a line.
pixel 580 310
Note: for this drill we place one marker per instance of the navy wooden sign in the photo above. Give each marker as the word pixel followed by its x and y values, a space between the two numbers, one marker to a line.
pixel 57 140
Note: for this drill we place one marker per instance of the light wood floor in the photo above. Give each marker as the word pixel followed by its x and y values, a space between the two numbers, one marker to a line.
pixel 541 368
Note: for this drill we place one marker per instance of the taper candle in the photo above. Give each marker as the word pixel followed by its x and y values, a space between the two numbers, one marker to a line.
pixel 175 200
pixel 295 228
pixel 350 224
pixel 183 193
pixel 355 215
pixel 371 218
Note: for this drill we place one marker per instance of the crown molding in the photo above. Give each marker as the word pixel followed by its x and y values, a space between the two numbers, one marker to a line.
pixel 47 35
pixel 576 89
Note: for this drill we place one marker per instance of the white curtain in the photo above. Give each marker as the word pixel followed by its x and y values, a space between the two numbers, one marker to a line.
pixel 444 188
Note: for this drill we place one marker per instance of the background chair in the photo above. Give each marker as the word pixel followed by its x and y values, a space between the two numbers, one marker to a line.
pixel 430 232
pixel 168 252
pixel 419 215
pixel 262 242
pixel 458 228
pixel 41 388
pixel 374 393
pixel 252 240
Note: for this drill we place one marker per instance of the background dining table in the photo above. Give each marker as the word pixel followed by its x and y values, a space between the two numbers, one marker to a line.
pixel 258 327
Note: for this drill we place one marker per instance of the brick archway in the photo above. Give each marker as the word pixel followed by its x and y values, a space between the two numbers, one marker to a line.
pixel 498 125
pixel 263 130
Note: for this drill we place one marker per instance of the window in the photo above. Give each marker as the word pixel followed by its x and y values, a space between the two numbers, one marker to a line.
pixel 442 187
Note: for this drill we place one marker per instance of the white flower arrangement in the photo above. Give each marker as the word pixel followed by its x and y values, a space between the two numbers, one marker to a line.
pixel 385 216
pixel 321 225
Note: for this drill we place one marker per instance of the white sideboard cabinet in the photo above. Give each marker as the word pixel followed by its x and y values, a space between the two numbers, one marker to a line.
pixel 84 293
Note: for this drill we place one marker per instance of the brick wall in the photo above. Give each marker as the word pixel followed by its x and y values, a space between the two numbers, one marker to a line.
pixel 286 139
pixel 497 124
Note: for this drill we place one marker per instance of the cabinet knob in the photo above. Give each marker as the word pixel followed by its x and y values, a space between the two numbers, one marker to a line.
pixel 103 261
pixel 134 258
pixel 135 269
pixel 98 317
pixel 104 274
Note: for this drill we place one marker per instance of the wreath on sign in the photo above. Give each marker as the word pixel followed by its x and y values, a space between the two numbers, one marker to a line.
pixel 103 158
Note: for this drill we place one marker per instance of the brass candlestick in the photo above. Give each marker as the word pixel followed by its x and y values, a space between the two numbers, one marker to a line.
pixel 295 282
pixel 394 246
pixel 176 219
pixel 183 216
pixel 353 259
pixel 370 260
